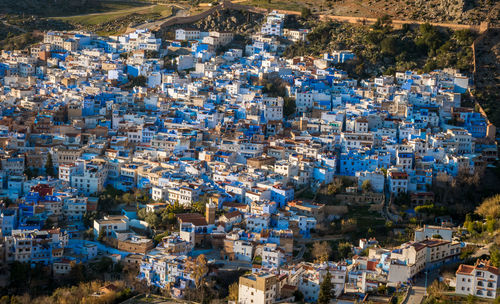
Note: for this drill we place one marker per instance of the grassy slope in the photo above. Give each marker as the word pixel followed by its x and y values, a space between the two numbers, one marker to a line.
pixel 100 18
pixel 290 5
pixel 52 8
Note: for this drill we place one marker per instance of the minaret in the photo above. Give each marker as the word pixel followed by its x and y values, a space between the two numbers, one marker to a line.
pixel 210 213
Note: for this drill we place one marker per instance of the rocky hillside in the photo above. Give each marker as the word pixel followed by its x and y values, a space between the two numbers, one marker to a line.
pixel 488 74
pixel 240 22
pixel 455 11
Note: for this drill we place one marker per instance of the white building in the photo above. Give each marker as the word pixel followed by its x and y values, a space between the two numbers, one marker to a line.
pixel 187 34
pixel 272 256
pixel 110 224
pixel 273 25
pixel 258 289
pixel 429 232
pixel 376 179
pixel 479 280
pixel 243 250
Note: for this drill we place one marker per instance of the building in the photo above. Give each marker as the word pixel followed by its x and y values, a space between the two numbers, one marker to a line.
pixel 479 280
pixel 187 34
pixel 258 289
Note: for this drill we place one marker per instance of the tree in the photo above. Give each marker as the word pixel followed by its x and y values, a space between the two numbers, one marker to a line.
pixel 49 166
pixel 367 186
pixel 199 269
pixel 101 236
pixel 28 173
pixel 344 250
pixel 321 251
pixel 299 296
pixel 233 292
pixel 142 213
pixel 77 272
pixel 128 199
pixel 495 255
pixel 19 273
pixel 289 106
pixel 490 207
pixel 383 23
pixel 104 264
pixel 325 290
pixel 159 237
pixel 153 219
pixel 389 45
pixel 305 13
pixel 139 81
pixel 471 299
pixel 436 289
pixel 335 187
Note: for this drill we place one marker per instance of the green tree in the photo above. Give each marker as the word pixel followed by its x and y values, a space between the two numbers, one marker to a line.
pixel 104 265
pixel 471 299
pixel 335 187
pixel 491 225
pixel 19 274
pixel 345 250
pixel 289 106
pixel 367 186
pixel 389 45
pixel 299 296
pixel 153 219
pixel 29 173
pixel 495 255
pixel 159 237
pixel 139 81
pixel 383 23
pixel 325 290
pixel 305 13
pixel 77 272
pixel 101 236
pixel 142 213
pixel 49 166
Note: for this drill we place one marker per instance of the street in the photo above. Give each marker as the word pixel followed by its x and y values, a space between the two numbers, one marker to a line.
pixel 417 292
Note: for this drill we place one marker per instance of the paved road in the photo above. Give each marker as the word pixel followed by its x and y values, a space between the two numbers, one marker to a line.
pixel 13 26
pixel 417 292
pixel 154 25
pixel 483 250
pixel 416 295
pixel 299 256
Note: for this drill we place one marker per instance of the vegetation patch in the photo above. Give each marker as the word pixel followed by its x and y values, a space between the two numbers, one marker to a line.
pixel 381 49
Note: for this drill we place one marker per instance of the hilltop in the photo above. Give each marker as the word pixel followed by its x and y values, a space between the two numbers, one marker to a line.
pixel 453 11
pixel 49 7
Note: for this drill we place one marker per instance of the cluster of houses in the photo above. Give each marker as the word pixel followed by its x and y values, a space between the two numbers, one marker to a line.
pixel 197 126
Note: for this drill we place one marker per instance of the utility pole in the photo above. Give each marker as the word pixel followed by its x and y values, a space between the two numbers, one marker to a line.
pixel 426 282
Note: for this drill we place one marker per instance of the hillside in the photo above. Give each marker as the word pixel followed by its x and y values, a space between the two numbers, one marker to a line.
pixel 382 49
pixel 488 75
pixel 49 7
pixel 455 11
